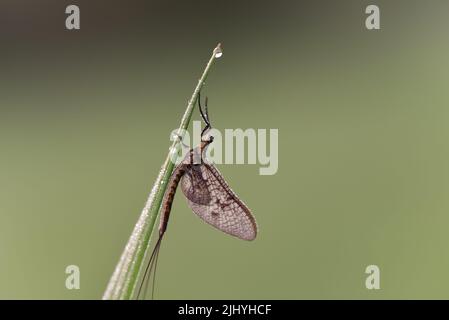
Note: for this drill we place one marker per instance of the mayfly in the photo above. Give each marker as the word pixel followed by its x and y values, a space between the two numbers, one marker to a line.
pixel 208 195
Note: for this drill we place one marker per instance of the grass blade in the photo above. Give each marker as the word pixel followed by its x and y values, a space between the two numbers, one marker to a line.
pixel 126 274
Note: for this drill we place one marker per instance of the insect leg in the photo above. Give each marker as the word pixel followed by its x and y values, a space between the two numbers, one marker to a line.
pixel 204 115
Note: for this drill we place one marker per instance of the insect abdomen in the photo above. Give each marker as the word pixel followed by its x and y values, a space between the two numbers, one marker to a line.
pixel 169 197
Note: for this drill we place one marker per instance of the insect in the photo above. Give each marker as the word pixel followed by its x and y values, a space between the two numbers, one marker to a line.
pixel 208 195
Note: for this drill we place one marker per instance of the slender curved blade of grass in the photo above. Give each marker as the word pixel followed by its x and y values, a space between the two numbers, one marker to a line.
pixel 125 278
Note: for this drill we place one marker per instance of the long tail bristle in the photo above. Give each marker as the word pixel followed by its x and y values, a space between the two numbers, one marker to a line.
pixel 152 262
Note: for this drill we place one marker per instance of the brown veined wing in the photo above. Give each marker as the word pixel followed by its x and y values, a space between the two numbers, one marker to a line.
pixel 211 198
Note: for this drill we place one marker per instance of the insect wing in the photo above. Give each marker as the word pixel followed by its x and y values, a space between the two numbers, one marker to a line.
pixel 210 197
pixel 194 186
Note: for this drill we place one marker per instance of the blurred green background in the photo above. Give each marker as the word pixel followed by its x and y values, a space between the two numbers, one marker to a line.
pixel 363 175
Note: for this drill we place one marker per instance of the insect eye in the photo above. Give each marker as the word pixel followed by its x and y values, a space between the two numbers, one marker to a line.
pixel 211 138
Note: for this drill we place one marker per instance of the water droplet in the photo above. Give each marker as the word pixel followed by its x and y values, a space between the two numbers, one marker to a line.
pixel 175 136
pixel 218 51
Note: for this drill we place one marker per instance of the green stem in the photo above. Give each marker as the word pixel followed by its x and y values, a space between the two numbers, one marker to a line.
pixel 125 277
